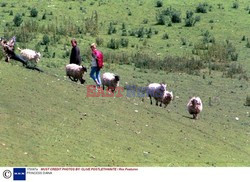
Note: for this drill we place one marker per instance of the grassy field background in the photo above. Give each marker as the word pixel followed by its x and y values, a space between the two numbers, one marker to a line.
pixel 47 120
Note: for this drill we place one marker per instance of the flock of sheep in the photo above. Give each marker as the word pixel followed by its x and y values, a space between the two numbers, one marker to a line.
pixel 156 90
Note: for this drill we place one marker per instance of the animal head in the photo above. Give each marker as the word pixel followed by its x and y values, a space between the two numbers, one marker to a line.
pixel 163 87
pixel 38 56
pixel 194 102
pixel 84 68
pixel 117 78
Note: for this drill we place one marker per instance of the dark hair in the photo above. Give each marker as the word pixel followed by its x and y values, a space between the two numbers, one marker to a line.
pixel 74 41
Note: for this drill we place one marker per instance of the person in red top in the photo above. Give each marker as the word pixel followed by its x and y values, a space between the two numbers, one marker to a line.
pixel 95 70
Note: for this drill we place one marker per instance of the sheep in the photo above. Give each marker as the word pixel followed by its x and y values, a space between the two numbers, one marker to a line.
pixel 76 72
pixel 194 106
pixel 156 90
pixel 110 80
pixel 167 98
pixel 30 55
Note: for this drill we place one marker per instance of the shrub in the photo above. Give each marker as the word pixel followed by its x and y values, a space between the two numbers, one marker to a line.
pixel 233 70
pixel 235 5
pixel 3 4
pixel 165 36
pixel 247 100
pixel 44 16
pixel 202 8
pixel 124 42
pixel 183 41
pixel 33 12
pixel 159 4
pixel 111 29
pixel 190 19
pixel 176 16
pixel 45 40
pixel 99 41
pixel 17 20
pixel 145 21
pixel 248 44
pixel 113 44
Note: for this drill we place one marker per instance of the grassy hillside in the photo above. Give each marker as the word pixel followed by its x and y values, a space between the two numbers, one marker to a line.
pixel 47 120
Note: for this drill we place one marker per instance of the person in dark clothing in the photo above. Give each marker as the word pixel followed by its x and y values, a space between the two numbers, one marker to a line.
pixel 75 57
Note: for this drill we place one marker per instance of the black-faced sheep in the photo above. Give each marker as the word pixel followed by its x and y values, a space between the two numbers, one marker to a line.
pixel 30 55
pixel 110 80
pixel 167 98
pixel 156 90
pixel 194 106
pixel 76 72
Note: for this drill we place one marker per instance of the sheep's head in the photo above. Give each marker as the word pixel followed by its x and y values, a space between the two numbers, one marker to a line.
pixel 163 87
pixel 38 56
pixel 84 69
pixel 117 78
pixel 194 102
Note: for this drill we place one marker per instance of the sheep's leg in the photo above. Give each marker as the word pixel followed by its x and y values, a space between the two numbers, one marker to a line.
pixel 156 103
pixel 103 87
pixel 161 104
pixel 72 79
pixel 150 100
pixel 82 81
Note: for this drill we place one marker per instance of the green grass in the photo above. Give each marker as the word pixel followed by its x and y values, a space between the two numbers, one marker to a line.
pixel 43 123
pixel 47 120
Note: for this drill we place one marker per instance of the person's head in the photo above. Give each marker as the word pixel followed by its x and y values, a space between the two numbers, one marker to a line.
pixel 93 46
pixel 73 42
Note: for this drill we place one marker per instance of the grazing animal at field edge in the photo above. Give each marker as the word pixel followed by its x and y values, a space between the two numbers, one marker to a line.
pixel 110 80
pixel 76 72
pixel 30 55
pixel 156 90
pixel 194 106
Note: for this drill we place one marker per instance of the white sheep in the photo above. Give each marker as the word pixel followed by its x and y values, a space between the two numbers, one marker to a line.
pixel 30 55
pixel 110 80
pixel 167 98
pixel 76 72
pixel 194 106
pixel 156 90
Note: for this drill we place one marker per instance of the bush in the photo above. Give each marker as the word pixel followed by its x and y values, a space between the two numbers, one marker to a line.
pixel 233 70
pixel 190 19
pixel 44 16
pixel 247 101
pixel 113 44
pixel 235 5
pixel 111 29
pixel 3 4
pixel 159 4
pixel 248 44
pixel 176 17
pixel 202 8
pixel 99 41
pixel 165 36
pixel 168 16
pixel 33 12
pixel 45 40
pixel 124 42
pixel 17 20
